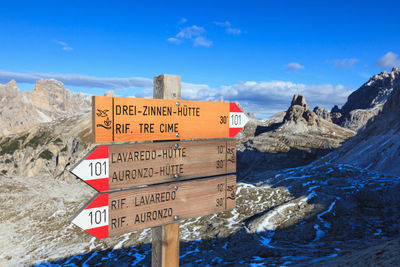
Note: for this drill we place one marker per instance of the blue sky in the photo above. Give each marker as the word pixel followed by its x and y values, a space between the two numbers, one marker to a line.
pixel 256 52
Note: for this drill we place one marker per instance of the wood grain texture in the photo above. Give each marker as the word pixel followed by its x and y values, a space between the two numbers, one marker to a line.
pixel 139 119
pixel 136 209
pixel 152 163
pixel 166 86
pixel 102 118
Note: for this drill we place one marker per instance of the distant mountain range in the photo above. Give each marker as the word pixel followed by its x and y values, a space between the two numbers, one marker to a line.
pixel 309 191
pixel 49 100
pixel 292 138
pixel 377 145
pixel 366 102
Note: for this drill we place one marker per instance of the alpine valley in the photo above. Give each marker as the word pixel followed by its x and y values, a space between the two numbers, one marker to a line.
pixel 315 187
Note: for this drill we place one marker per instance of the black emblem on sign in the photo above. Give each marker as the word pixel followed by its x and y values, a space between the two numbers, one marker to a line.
pixel 231 155
pixel 231 192
pixel 103 114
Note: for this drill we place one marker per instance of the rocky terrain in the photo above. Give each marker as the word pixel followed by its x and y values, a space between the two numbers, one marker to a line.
pixel 297 128
pixel 296 217
pixel 288 139
pixel 289 212
pixel 377 146
pixel 20 111
pixel 48 149
pixel 366 102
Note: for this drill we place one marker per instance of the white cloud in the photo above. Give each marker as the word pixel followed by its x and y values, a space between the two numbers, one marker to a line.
pixel 389 60
pixel 261 98
pixel 78 80
pixel 228 27
pixel 191 91
pixel 190 32
pixel 344 63
pixel 64 45
pixel 264 98
pixel 174 40
pixel 182 21
pixel 202 41
pixel 194 33
pixel 294 66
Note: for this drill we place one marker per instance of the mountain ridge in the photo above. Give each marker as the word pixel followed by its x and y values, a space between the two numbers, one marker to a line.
pixel 47 101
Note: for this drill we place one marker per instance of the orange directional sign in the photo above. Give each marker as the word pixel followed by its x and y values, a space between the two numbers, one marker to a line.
pixel 129 165
pixel 119 212
pixel 124 119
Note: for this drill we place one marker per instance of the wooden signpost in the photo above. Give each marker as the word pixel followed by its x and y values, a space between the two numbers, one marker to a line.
pixel 119 212
pixel 157 184
pixel 124 166
pixel 123 119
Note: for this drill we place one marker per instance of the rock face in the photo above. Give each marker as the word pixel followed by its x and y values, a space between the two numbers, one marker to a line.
pixel 49 149
pixel 299 215
pixel 322 113
pixel 299 112
pixel 288 139
pixel 376 146
pixel 367 101
pixel 298 128
pixel 47 101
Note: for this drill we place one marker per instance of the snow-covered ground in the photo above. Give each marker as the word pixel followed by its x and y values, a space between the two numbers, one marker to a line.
pixel 294 217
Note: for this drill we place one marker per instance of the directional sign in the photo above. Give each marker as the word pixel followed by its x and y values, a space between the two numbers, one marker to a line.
pixel 124 119
pixel 129 165
pixel 119 212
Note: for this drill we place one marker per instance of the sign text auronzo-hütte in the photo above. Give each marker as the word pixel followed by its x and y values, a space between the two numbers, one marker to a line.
pixel 109 167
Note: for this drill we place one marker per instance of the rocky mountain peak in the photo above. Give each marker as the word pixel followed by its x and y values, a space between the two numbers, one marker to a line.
pixel 376 146
pixel 367 101
pixel 9 90
pixel 299 112
pixel 322 113
pixel 45 85
pixel 50 95
pixel 335 109
pixel 12 83
pixel 47 101
pixel 299 100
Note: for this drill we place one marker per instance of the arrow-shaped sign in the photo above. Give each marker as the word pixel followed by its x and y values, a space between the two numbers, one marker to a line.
pixel 129 165
pixel 119 212
pixel 124 119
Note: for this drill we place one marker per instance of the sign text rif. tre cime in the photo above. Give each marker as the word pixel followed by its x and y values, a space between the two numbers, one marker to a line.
pixel 121 119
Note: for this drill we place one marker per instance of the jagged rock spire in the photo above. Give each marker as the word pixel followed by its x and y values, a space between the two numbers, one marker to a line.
pixel 299 112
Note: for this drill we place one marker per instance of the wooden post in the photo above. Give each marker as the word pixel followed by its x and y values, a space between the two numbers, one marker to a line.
pixel 165 238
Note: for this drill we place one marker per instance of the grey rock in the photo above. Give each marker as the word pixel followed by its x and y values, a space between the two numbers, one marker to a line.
pixel 365 102
pixel 322 113
pixel 47 101
pixel 377 145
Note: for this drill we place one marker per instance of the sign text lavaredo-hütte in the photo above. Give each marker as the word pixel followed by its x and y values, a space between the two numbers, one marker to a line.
pixel 109 167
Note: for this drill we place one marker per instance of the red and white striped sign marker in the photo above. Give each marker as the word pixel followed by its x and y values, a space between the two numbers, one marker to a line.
pixel 125 119
pixel 237 119
pixel 124 211
pixel 125 166
pixel 94 168
pixel 94 217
